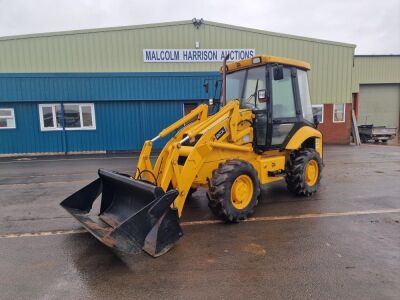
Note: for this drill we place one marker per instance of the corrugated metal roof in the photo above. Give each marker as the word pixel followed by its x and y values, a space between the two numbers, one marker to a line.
pixel 165 24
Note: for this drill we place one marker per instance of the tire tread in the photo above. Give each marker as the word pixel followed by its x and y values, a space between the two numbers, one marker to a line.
pixel 295 169
pixel 221 181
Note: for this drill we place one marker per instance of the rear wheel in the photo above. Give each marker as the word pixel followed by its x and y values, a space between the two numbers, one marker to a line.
pixel 233 191
pixel 304 172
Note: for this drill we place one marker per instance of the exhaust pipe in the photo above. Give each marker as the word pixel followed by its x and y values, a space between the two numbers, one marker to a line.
pixel 224 80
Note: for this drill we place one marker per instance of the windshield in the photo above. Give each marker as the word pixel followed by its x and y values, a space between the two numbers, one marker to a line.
pixel 244 85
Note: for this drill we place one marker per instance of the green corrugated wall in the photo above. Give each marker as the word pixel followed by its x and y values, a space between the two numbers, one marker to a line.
pixel 375 69
pixel 121 50
pixel 377 80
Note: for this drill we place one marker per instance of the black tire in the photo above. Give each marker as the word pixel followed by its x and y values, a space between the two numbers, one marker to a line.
pixel 219 193
pixel 363 139
pixel 296 169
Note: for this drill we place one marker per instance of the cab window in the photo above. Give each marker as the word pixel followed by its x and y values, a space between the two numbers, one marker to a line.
pixel 234 85
pixel 304 95
pixel 255 82
pixel 283 96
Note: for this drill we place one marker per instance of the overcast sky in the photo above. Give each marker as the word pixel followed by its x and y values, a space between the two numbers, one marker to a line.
pixel 373 25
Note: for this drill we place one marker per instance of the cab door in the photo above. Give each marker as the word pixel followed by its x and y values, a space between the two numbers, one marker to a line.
pixel 284 107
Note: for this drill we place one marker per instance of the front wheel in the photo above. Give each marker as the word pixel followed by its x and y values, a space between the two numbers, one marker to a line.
pixel 233 191
pixel 304 172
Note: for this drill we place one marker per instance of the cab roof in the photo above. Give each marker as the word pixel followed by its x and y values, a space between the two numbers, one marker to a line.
pixel 263 60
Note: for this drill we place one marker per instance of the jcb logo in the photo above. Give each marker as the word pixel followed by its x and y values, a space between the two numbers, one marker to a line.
pixel 220 133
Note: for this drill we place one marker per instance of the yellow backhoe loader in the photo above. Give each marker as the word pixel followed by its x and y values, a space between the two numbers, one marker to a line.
pixel 263 132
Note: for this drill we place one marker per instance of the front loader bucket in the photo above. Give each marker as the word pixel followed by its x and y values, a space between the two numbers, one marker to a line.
pixel 134 215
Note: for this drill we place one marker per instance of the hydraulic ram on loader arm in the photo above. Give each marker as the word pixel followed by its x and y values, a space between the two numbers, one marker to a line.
pixel 142 212
pixel 168 171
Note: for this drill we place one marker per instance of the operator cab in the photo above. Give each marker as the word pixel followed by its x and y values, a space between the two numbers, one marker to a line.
pixel 276 90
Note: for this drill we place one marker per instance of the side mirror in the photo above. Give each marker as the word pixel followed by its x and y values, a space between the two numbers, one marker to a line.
pixel 316 121
pixel 278 73
pixel 262 95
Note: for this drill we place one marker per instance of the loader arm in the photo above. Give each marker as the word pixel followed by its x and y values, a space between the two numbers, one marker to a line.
pixel 142 211
pixel 185 155
pixel 144 169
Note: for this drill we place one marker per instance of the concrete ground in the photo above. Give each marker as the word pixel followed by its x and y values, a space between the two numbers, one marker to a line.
pixel 341 243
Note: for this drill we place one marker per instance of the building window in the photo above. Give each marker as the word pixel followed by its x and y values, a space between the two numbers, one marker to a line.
pixel 339 113
pixel 318 110
pixel 76 116
pixel 7 118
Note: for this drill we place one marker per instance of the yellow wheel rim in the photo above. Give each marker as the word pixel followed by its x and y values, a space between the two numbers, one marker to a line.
pixel 242 192
pixel 311 172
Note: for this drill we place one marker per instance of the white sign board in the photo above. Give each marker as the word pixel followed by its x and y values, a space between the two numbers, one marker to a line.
pixel 195 55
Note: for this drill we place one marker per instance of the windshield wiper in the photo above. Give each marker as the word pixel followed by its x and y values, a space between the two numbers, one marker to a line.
pixel 253 95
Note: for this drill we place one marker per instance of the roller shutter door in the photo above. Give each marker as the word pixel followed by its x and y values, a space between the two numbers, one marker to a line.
pixel 379 104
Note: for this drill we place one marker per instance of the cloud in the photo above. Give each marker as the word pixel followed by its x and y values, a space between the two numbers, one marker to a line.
pixel 373 25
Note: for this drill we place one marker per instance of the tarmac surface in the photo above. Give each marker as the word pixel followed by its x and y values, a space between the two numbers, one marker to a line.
pixel 341 243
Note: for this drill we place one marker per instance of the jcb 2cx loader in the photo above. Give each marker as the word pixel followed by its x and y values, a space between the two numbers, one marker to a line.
pixel 263 132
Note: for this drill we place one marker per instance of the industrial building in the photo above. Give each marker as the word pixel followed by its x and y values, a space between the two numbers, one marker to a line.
pixel 376 89
pixel 109 89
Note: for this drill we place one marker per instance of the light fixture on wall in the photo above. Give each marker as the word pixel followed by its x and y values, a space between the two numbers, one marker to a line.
pixel 197 22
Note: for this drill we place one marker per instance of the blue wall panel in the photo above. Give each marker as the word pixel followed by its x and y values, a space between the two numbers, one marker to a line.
pixel 129 108
pixel 120 125
pixel 27 136
pixel 103 86
pixel 115 123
